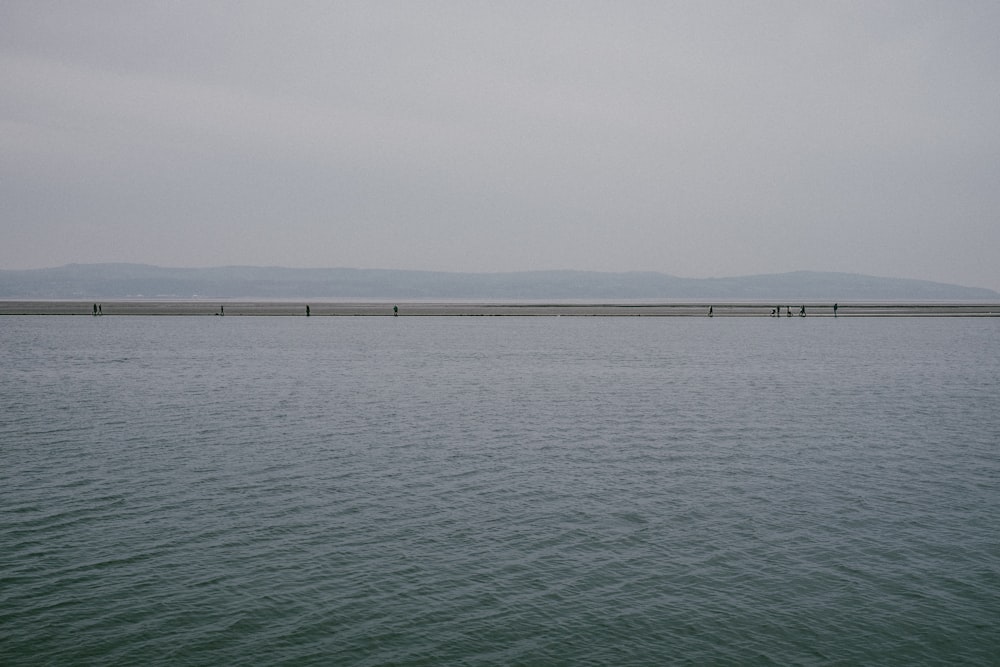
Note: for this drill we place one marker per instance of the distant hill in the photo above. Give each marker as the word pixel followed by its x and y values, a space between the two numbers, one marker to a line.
pixel 108 281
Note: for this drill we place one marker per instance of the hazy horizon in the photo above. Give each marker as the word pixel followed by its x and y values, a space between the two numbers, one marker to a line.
pixel 485 273
pixel 697 140
pixel 102 281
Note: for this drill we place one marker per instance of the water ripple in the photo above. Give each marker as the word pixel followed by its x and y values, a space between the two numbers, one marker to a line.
pixel 515 491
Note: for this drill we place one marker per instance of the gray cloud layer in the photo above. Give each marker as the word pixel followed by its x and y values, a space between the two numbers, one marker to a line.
pixel 692 138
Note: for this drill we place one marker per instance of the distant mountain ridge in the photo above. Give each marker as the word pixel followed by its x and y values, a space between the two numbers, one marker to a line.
pixel 107 281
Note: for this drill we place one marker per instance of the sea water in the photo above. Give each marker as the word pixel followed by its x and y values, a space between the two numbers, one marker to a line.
pixel 499 491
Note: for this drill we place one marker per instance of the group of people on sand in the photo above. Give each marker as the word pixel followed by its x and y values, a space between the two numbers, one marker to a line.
pixel 98 310
pixel 776 312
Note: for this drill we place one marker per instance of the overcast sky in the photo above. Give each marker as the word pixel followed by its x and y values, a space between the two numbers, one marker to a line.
pixel 692 138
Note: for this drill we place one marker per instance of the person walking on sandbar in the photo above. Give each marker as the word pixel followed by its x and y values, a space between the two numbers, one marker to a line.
pixel 834 310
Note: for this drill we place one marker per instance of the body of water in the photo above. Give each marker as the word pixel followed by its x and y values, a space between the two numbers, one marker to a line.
pixel 499 491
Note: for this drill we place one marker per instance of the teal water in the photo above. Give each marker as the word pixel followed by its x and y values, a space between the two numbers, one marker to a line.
pixel 499 491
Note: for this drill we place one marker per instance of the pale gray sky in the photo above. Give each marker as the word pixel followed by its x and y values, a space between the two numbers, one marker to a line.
pixel 692 138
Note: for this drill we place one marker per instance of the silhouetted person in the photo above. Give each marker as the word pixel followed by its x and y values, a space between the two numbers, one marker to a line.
pixel 222 310
pixel 100 311
pixel 802 311
pixel 788 311
pixel 834 310
pixel 95 310
pixel 307 311
pixel 395 311
pixel 710 311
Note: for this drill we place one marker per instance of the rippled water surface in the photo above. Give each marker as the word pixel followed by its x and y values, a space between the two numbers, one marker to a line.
pixel 479 491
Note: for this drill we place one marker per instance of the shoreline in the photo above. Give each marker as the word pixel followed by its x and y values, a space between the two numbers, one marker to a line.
pixel 262 308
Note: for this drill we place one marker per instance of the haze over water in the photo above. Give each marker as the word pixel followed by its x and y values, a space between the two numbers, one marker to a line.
pixel 565 491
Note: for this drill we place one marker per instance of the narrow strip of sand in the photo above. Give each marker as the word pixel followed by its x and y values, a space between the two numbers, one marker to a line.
pixel 473 309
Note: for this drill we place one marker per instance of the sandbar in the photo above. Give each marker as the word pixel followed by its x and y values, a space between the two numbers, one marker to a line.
pixel 259 308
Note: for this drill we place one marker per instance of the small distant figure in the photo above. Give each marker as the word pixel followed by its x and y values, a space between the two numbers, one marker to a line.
pixel 834 310
pixel 772 312
pixel 802 311
pixel 222 310
pixel 395 311
pixel 100 310
pixel 710 311
pixel 788 311
pixel 95 310
pixel 307 311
